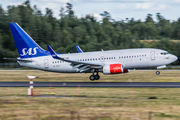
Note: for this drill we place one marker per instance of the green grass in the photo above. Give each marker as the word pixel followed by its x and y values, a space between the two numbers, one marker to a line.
pixel 92 103
pixel 132 76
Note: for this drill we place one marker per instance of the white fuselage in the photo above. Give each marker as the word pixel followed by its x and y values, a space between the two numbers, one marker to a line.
pixel 129 58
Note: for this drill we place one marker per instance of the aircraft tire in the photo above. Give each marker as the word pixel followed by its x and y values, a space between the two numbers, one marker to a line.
pixel 92 77
pixel 157 72
pixel 97 77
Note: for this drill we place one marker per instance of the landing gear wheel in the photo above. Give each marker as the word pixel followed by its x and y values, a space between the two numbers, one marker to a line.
pixel 157 72
pixel 92 77
pixel 97 77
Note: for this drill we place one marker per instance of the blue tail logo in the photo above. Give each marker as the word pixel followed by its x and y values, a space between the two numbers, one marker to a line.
pixel 26 51
pixel 26 46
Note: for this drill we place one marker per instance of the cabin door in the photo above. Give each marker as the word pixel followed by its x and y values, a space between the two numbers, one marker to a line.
pixel 46 64
pixel 152 55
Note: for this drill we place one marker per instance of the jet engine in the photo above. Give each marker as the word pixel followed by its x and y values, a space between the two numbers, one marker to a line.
pixel 114 69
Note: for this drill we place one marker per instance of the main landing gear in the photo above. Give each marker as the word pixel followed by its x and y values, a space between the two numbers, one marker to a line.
pixel 94 77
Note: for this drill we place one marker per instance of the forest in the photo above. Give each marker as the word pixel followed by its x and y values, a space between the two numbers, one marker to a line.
pixel 90 34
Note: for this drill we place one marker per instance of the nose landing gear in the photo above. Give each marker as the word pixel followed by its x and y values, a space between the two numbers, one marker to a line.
pixel 159 67
pixel 157 72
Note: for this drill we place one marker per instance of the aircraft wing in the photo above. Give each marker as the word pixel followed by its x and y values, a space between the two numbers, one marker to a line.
pixel 79 49
pixel 80 65
pixel 15 59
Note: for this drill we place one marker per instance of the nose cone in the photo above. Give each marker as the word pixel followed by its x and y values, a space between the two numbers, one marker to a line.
pixel 173 58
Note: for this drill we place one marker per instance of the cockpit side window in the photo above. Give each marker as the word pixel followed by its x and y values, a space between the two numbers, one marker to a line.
pixel 164 53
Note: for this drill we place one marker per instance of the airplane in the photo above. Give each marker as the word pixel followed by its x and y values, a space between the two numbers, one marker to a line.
pixel 107 62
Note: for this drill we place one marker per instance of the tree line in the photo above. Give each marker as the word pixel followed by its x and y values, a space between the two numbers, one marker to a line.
pixel 90 34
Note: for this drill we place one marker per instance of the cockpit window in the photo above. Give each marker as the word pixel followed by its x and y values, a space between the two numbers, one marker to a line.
pixel 164 53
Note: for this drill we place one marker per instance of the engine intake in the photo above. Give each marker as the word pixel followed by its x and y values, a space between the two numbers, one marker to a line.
pixel 114 69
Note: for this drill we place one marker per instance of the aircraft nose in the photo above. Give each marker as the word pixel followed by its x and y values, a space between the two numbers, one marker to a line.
pixel 174 58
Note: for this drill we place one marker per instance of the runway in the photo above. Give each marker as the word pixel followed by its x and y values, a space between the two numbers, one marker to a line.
pixel 95 84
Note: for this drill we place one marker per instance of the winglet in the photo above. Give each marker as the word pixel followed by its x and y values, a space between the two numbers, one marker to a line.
pixel 79 49
pixel 53 54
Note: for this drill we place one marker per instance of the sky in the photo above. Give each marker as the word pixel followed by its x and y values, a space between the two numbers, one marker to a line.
pixel 119 9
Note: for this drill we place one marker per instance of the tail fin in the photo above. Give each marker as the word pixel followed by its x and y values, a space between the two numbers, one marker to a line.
pixel 26 46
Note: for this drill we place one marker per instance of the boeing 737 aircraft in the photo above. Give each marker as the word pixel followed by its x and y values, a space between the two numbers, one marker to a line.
pixel 107 62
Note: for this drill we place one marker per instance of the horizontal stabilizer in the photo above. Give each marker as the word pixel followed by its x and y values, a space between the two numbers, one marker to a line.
pixel 15 59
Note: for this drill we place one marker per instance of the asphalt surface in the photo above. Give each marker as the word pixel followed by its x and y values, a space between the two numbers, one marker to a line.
pixel 94 84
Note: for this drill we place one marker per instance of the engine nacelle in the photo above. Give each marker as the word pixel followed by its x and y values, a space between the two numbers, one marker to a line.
pixel 114 69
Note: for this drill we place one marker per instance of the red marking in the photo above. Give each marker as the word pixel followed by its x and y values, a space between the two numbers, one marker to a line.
pixel 31 92
pixel 38 92
pixel 77 92
pixel 115 68
pixel 31 84
pixel 31 79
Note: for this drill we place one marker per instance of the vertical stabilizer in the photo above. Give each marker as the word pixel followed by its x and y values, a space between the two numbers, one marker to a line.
pixel 26 46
